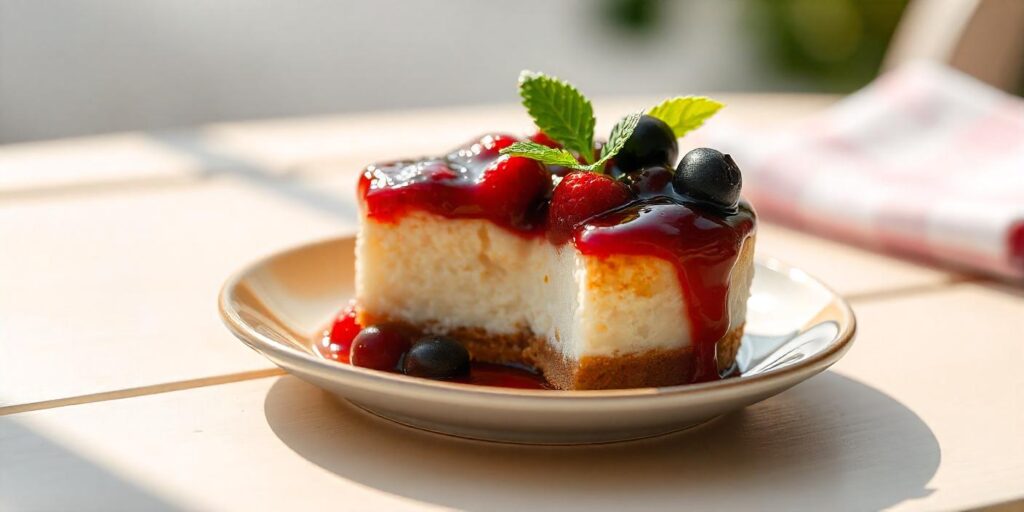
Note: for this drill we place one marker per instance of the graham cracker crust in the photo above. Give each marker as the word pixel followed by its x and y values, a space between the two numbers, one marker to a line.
pixel 653 368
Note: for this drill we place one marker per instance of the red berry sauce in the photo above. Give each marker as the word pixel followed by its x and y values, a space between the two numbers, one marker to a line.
pixel 336 343
pixel 503 376
pixel 471 182
pixel 701 241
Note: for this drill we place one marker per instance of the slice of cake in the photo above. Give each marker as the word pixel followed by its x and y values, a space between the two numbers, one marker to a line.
pixel 586 320
pixel 613 271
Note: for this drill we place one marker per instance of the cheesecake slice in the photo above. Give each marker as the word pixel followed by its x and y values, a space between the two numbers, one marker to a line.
pixel 597 282
pixel 587 322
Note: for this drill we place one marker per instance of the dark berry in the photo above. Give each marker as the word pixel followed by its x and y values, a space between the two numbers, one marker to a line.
pixel 578 197
pixel 652 143
pixel 708 175
pixel 379 347
pixel 612 169
pixel 650 181
pixel 436 357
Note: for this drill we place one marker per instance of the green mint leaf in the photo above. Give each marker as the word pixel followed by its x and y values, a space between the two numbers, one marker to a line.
pixel 560 111
pixel 541 153
pixel 685 113
pixel 620 134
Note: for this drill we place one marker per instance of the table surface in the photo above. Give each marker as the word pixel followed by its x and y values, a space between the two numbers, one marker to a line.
pixel 120 388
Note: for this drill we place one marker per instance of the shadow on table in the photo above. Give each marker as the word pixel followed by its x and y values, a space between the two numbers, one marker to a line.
pixel 1012 289
pixel 832 441
pixel 50 476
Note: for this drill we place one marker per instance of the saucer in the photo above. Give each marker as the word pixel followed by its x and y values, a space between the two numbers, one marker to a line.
pixel 279 306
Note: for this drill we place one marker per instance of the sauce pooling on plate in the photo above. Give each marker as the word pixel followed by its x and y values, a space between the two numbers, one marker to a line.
pixel 336 343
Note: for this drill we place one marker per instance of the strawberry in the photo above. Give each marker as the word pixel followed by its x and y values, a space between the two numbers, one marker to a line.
pixel 510 187
pixel 581 196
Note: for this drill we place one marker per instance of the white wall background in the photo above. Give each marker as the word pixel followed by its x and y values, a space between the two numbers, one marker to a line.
pixel 81 67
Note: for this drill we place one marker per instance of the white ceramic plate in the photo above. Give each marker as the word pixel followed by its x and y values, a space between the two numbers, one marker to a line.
pixel 796 327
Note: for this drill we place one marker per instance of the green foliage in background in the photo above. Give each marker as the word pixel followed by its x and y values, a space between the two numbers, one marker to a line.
pixel 636 16
pixel 838 44
pixel 829 45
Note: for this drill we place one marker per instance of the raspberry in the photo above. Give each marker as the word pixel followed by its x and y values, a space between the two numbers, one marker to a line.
pixel 510 187
pixel 579 197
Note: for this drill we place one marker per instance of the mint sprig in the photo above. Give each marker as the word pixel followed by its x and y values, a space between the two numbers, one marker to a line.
pixel 551 156
pixel 620 134
pixel 685 113
pixel 566 116
pixel 560 111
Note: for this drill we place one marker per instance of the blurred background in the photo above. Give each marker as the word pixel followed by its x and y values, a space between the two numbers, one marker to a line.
pixel 71 68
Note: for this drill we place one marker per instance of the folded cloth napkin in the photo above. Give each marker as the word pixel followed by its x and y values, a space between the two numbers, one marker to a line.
pixel 925 161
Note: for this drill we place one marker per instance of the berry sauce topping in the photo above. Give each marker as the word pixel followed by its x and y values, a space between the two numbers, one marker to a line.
pixel 471 182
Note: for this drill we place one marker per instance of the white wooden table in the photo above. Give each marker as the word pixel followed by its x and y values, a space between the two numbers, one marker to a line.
pixel 120 389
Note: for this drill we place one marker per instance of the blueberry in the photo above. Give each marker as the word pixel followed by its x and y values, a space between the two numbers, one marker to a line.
pixel 650 181
pixel 652 143
pixel 436 357
pixel 708 175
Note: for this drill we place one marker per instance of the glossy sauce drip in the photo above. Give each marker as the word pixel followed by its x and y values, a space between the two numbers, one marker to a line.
pixel 700 242
pixel 502 376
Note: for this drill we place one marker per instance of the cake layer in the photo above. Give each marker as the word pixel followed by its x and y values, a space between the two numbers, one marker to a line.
pixel 447 275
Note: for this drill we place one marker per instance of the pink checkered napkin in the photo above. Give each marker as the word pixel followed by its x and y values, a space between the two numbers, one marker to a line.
pixel 925 161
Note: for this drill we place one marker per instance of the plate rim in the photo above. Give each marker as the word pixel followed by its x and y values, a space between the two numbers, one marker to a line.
pixel 263 344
